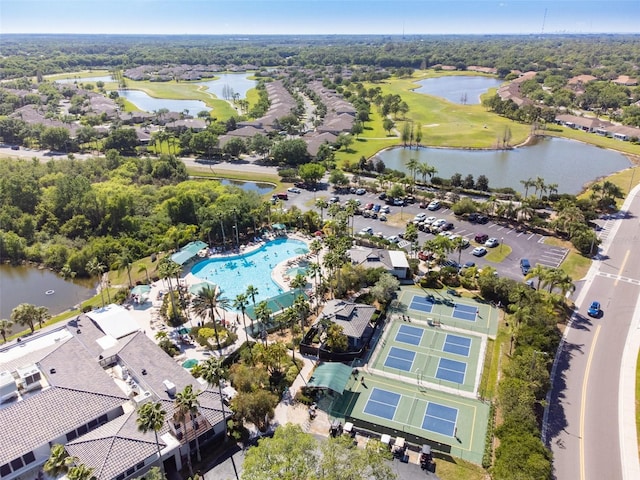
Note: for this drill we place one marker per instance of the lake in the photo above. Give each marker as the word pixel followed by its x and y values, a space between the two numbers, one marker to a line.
pixel 147 103
pixel 568 163
pixel 237 82
pixel 259 188
pixel 28 284
pixel 460 89
pixel 103 78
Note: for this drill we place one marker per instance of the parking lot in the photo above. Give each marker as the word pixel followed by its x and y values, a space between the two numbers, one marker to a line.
pixel 523 244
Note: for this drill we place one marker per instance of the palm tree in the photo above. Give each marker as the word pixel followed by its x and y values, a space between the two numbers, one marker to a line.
pixel 143 268
pixel 302 309
pixel 321 203
pixel 539 185
pixel 25 314
pixel 240 303
pixel 424 169
pixel 527 184
pixel 213 372
pixel 187 404
pixel 412 166
pixel 80 472
pixel 207 303
pixel 124 262
pixel 151 417
pixel 252 292
pixel 94 267
pixel 539 271
pixel 5 328
pixel 167 268
pixel 41 315
pixel 263 313
pixel 59 461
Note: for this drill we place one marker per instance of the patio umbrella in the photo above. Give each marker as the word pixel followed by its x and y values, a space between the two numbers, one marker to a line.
pixel 140 289
pixel 279 226
pixel 198 287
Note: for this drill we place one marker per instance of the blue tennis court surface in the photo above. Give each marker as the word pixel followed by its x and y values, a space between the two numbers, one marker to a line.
pixel 451 370
pixel 465 312
pixel 382 403
pixel 400 358
pixel 440 419
pixel 422 304
pixel 456 344
pixel 410 335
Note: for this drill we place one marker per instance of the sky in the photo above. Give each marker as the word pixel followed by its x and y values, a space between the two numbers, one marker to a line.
pixel 388 17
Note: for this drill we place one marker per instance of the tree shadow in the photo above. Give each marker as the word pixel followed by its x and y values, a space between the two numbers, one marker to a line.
pixel 557 419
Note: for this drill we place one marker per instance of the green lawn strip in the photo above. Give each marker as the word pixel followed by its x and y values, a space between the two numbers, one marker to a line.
pixel 499 253
pixel 363 147
pixel 208 171
pixel 78 75
pixel 451 468
pixel 575 264
pixel 593 139
pixel 442 121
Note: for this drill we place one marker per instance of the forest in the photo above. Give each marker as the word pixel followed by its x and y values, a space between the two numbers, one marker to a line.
pixel 604 56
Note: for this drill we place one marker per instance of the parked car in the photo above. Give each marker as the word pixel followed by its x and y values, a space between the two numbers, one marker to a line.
pixel 446 226
pixel 429 220
pixel 525 266
pixel 492 242
pixel 420 217
pixel 473 217
pixel 385 209
pixel 281 196
pixel 382 196
pixel 361 191
pixel 424 256
pixel 376 208
pixel 368 206
pixel 393 238
pixel 423 205
pixel 382 217
pixel 479 251
pixel 434 205
pixel 409 199
pixel 334 199
pixel 482 219
pixel 366 231
pixel 293 190
pixel 481 237
pixel 594 309
pixel 398 202
pixel 439 222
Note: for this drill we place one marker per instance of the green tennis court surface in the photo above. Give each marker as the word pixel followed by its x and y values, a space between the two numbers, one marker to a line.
pixel 436 306
pixel 451 424
pixel 426 356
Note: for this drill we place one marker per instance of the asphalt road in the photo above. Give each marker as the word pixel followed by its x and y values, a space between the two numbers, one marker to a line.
pixel 585 425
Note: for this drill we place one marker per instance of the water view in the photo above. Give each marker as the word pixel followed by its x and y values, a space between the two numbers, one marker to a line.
pixel 103 78
pixel 568 163
pixel 147 103
pixel 458 89
pixel 236 82
pixel 259 188
pixel 27 284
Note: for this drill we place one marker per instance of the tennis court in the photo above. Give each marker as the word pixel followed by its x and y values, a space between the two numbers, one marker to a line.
pixel 395 407
pixel 457 345
pixel 465 312
pixel 440 419
pixel 451 370
pixel 400 358
pixel 421 304
pixel 382 403
pixel 409 334
pixel 422 355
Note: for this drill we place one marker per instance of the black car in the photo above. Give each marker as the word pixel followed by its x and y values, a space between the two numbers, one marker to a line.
pixel 473 217
pixel 382 196
pixel 482 219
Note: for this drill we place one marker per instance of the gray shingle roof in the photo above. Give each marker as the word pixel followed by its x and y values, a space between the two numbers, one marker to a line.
pixel 354 318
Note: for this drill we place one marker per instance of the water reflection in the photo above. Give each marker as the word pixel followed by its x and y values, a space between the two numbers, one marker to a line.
pixel 236 83
pixel 568 163
pixel 149 104
pixel 460 89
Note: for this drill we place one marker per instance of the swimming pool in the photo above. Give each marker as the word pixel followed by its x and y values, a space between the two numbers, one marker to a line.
pixel 233 274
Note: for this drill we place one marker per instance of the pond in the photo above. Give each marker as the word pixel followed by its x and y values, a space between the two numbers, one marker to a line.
pixel 460 89
pixel 234 82
pixel 568 163
pixel 258 187
pixel 28 284
pixel 103 78
pixel 147 103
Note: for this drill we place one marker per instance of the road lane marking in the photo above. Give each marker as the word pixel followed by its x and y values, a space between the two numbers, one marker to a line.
pixel 584 399
pixel 624 262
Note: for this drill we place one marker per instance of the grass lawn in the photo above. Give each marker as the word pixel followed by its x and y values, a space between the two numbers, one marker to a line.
pixel 457 469
pixel 575 265
pixel 499 253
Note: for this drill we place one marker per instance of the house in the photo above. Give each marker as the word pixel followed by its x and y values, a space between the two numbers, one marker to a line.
pixel 80 386
pixel 354 318
pixel 393 261
pixel 194 124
